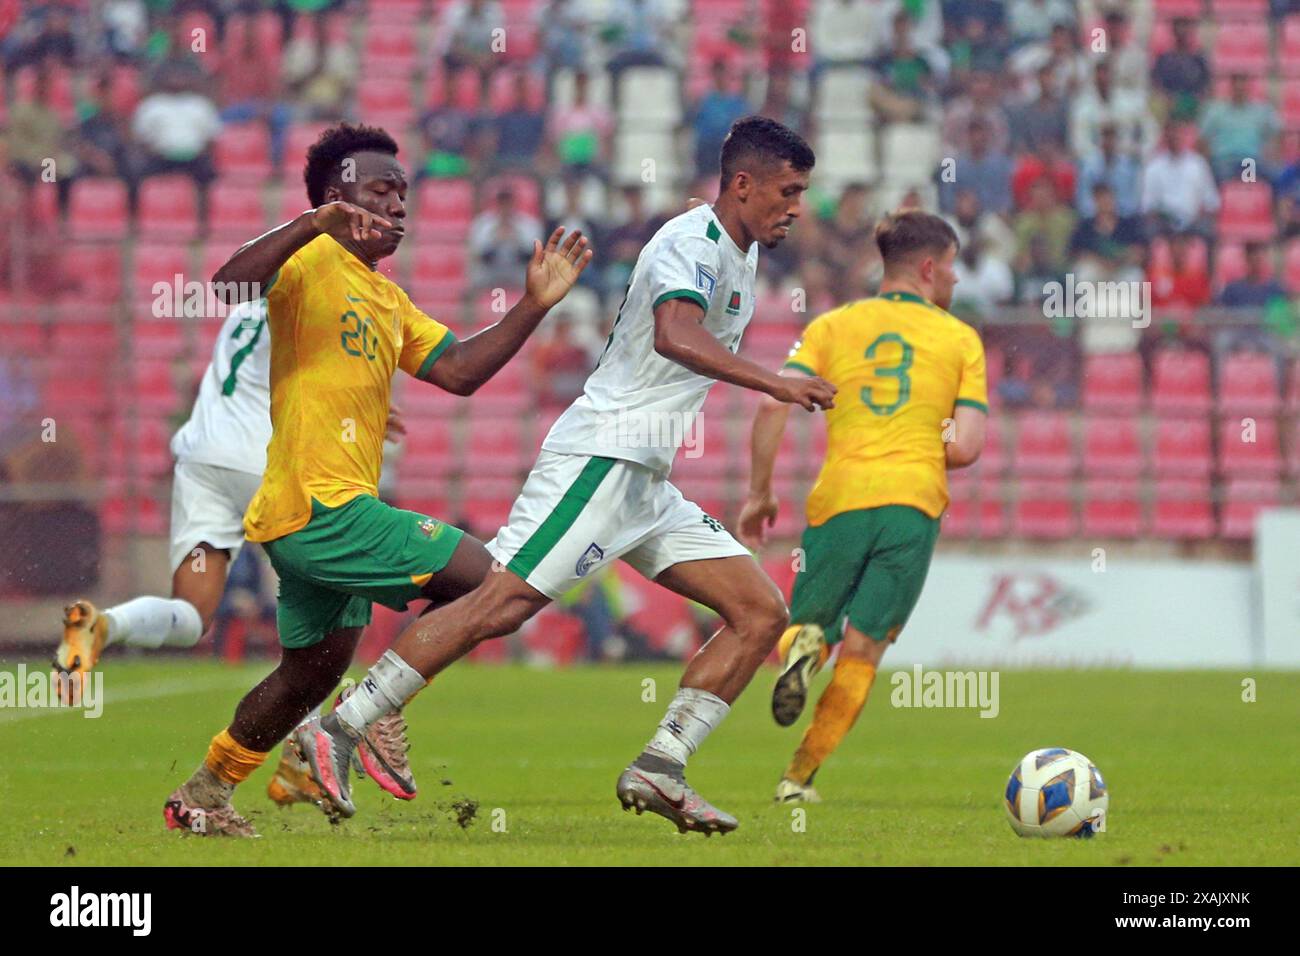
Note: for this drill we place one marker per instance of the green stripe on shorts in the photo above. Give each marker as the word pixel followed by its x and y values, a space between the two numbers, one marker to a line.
pixel 559 521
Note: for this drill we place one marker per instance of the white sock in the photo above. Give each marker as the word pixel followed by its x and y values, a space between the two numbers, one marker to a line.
pixel 691 717
pixel 154 622
pixel 386 688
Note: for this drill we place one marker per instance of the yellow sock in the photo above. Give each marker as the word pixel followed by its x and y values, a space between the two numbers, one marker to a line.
pixel 786 639
pixel 837 709
pixel 229 761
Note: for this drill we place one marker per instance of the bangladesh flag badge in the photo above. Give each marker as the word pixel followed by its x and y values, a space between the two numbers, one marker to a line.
pixel 733 304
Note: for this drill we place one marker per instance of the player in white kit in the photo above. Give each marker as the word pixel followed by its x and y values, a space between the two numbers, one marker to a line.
pixel 600 488
pixel 220 456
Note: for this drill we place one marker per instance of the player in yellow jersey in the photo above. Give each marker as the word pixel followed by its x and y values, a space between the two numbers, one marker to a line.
pixel 339 331
pixel 911 403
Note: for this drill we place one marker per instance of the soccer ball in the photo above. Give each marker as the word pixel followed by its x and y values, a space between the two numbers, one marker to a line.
pixel 1056 793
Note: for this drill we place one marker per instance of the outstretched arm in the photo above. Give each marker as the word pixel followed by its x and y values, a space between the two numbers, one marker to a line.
pixel 552 271
pixel 681 338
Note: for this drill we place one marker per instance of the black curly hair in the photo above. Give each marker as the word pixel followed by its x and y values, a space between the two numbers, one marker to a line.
pixel 325 156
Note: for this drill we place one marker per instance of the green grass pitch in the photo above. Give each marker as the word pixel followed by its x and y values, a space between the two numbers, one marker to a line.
pixel 1197 776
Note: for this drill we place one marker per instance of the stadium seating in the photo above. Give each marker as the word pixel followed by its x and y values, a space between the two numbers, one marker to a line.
pixel 1044 510
pixel 1248 447
pixel 1112 383
pixel 1112 447
pixel 1244 498
pixel 1183 510
pixel 1045 445
pixel 1182 448
pixel 97 209
pixel 1248 385
pixel 1180 382
pixel 1111 509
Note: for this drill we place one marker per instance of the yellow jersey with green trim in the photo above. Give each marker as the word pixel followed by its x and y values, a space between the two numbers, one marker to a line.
pixel 902 365
pixel 339 331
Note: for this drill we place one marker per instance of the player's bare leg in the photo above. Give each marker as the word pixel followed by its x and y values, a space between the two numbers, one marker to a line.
pixel 498 606
pixel 836 712
pixel 153 622
pixel 302 680
pixel 754 614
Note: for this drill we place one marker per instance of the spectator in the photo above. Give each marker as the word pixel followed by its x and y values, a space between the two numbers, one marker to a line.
pixel 1049 221
pixel 1029 21
pixel 1101 104
pixel 126 25
pixel 560 366
pixel 623 243
pixel 500 242
pixel 1259 287
pixel 983 102
pixel 1041 119
pixel 1182 75
pixel 520 127
pixel 1178 188
pixel 980 169
pixel 563 42
pixel 1070 70
pixel 319 73
pixel 1052 163
pixel 712 118
pixel 44 33
pixel 465 34
pixel 457 143
pixel 1181 284
pixel 1120 172
pixel 639 33
pixel 849 232
pixel 573 217
pixel 580 132
pixel 976 47
pixel 1287 193
pixel 1238 129
pixel 779 102
pixel 906 83
pixel 973 223
pixel 1108 236
pixel 250 92
pixel 174 129
pixel 103 137
pixel 925 22
pixel 841 33
pixel 984 281
pixel 1128 61
pixel 39 146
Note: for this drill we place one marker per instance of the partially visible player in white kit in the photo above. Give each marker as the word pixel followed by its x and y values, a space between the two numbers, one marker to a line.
pixel 220 456
pixel 600 488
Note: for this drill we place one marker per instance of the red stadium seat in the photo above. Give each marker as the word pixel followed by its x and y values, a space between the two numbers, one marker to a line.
pixel 1242 47
pixel 95 269
pixel 153 338
pixel 67 386
pixel 1293 449
pixel 1236 10
pixel 499 446
pixel 159 263
pixel 1288 51
pixel 1182 448
pixel 501 89
pixel 124 89
pixel 244 149
pixel 1291 266
pixel 1111 448
pixel 465 90
pixel 385 96
pixel 1247 212
pixel 97 209
pixel 444 208
pixel 1112 509
pixel 1168 9
pixel 153 386
pixel 1112 382
pixel 428 449
pixel 1182 510
pixel 1229 264
pixel 169 208
pixel 486 504
pixel 1044 445
pixel 976 508
pixel 390 48
pixel 1243 499
pixel 1290 102
pixel 528 194
pixel 297 139
pixel 1248 447
pixel 1044 510
pixel 440 271
pixel 236 209
pixel 1248 384
pixel 1180 382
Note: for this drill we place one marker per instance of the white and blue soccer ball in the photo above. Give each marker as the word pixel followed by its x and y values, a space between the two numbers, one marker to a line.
pixel 1056 792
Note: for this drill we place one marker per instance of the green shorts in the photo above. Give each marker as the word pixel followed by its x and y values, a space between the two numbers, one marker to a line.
pixel 867 565
pixel 347 557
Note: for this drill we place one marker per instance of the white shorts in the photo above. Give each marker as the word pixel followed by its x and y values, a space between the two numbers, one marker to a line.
pixel 576 514
pixel 208 504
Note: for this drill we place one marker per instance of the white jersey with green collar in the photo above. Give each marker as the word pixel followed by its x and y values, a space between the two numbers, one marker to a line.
pixel 638 405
